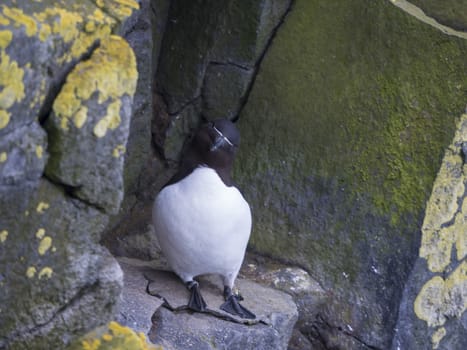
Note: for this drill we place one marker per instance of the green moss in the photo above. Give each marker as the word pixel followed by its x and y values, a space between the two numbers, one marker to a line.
pixel 342 137
pixel 359 99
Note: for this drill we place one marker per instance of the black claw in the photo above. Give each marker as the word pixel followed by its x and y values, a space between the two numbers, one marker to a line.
pixel 196 302
pixel 232 306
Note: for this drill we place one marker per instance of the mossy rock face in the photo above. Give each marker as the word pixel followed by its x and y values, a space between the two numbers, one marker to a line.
pixel 342 137
pixel 452 13
pixel 432 312
pixel 54 277
pixel 207 59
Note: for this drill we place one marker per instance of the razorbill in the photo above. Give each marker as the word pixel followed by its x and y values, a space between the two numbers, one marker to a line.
pixel 201 219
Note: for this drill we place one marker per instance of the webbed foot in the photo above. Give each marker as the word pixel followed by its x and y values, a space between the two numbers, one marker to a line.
pixel 196 302
pixel 232 305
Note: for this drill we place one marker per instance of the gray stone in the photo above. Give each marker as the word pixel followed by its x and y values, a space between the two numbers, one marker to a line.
pixel 137 306
pixel 54 277
pixel 56 281
pixel 175 327
pixel 224 89
pixel 23 155
pixel 94 120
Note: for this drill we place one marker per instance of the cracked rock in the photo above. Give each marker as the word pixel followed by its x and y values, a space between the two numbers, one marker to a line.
pixel 176 328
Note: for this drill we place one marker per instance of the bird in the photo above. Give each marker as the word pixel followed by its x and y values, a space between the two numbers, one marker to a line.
pixel 201 219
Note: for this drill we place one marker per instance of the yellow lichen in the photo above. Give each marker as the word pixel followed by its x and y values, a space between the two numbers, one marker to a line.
pixel 31 271
pixel 99 15
pixel 44 245
pixel 4 118
pixel 3 157
pixel 461 241
pixel 428 303
pixel 65 23
pixel 437 337
pixel 107 337
pixel 46 272
pixel 80 117
pixel 456 291
pixel 40 233
pixel 42 206
pixel 445 222
pixel 3 20
pixel 118 151
pixel 441 298
pixel 20 19
pixel 3 236
pixel 445 227
pixel 115 337
pixel 44 32
pixel 11 84
pixel 90 26
pixel 110 73
pixel 39 151
pixel 5 38
pixel 110 121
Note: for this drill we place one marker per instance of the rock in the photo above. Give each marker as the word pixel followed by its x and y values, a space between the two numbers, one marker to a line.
pixel 61 66
pixel 341 140
pixel 307 294
pixel 137 306
pixel 113 336
pixel 432 313
pixel 451 13
pixel 55 280
pixel 23 155
pixel 174 327
pixel 92 114
pixel 208 56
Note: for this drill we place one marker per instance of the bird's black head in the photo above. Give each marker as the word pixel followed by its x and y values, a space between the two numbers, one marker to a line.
pixel 216 143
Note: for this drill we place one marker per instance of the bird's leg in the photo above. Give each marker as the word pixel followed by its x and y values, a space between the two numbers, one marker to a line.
pixel 196 302
pixel 232 305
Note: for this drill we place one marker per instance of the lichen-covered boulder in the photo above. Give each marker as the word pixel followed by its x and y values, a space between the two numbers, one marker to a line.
pixel 432 314
pixel 342 137
pixel 91 117
pixel 65 81
pixel 113 337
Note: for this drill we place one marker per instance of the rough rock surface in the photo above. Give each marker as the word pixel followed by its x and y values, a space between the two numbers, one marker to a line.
pixel 66 84
pixel 154 298
pixel 176 327
pixel 342 136
pixel 432 313
pixel 137 306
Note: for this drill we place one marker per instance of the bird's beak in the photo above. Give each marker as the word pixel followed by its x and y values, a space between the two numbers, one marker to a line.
pixel 217 143
pixel 220 140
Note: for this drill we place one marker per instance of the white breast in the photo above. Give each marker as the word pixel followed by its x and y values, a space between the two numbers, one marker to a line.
pixel 202 225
